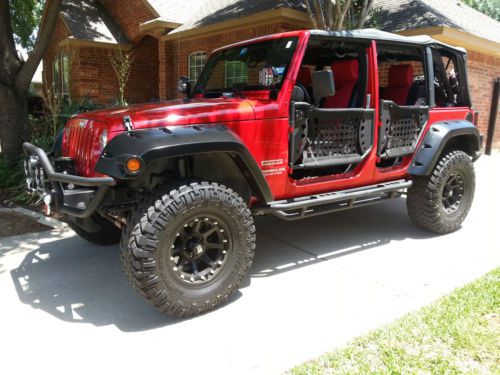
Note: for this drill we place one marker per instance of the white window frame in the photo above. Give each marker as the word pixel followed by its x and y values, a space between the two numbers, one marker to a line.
pixel 196 62
pixel 60 76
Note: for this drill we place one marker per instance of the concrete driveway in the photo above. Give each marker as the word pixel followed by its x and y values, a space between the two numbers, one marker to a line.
pixel 66 307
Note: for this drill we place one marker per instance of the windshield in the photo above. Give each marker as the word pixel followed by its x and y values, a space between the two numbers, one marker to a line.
pixel 257 66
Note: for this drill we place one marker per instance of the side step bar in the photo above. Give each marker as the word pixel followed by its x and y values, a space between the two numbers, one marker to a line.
pixel 314 205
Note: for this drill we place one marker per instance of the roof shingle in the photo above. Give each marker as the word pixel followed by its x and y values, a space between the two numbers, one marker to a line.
pixel 197 13
pixel 399 15
pixel 89 20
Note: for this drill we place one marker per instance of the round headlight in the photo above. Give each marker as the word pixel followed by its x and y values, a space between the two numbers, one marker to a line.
pixel 103 139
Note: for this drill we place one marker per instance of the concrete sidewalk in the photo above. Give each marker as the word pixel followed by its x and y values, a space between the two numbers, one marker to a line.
pixel 67 308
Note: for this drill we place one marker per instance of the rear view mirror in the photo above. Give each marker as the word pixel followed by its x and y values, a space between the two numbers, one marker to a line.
pixel 323 85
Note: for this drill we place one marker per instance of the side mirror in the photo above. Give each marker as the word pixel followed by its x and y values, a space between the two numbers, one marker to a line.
pixel 323 85
pixel 184 85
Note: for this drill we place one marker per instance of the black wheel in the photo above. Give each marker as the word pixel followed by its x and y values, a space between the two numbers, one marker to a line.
pixel 440 202
pixel 106 234
pixel 187 248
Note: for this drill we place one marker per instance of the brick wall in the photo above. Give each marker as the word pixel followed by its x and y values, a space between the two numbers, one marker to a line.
pixel 93 76
pixel 143 81
pixel 174 53
pixel 482 70
pixel 129 15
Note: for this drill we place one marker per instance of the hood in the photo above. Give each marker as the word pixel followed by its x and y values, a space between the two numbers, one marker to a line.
pixel 175 112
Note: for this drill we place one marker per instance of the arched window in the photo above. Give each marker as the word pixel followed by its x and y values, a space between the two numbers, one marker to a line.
pixel 196 62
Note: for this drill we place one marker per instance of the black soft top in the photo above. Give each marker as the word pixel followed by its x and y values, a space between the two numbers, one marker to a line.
pixel 373 34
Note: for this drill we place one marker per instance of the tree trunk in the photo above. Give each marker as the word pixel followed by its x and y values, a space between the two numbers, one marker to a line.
pixel 14 129
pixel 15 77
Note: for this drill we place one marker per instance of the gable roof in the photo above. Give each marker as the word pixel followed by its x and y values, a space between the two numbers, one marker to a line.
pixel 401 15
pixel 89 20
pixel 207 12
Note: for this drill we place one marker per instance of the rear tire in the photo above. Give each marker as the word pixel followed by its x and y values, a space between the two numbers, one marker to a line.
pixel 187 248
pixel 107 234
pixel 441 201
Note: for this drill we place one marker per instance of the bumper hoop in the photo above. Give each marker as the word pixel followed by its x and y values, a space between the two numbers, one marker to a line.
pixel 44 180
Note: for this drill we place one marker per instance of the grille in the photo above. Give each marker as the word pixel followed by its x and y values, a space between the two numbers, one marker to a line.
pixel 82 138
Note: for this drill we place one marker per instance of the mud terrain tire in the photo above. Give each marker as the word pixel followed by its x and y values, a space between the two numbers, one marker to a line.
pixel 440 202
pixel 187 247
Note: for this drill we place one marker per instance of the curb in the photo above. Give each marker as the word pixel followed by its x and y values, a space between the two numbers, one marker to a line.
pixel 42 219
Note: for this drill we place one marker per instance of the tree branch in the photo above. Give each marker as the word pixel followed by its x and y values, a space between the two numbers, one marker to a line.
pixel 320 18
pixel 9 59
pixel 311 14
pixel 367 5
pixel 336 14
pixel 43 40
pixel 340 20
pixel 329 14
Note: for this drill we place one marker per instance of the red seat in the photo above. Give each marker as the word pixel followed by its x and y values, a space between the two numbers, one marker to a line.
pixel 400 82
pixel 305 76
pixel 346 74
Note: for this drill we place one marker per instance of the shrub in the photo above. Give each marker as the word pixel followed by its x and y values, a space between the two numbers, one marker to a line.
pixel 43 133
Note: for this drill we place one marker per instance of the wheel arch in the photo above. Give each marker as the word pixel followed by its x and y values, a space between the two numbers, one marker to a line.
pixel 213 152
pixel 441 137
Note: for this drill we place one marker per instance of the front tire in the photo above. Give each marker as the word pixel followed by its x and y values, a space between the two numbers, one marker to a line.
pixel 441 201
pixel 188 247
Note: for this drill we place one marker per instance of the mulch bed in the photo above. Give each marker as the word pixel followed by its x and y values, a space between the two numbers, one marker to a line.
pixel 13 224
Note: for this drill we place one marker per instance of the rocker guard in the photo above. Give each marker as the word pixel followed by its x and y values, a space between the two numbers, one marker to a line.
pixel 435 141
pixel 166 142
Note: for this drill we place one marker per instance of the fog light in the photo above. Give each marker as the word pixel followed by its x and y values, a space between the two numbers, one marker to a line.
pixel 134 165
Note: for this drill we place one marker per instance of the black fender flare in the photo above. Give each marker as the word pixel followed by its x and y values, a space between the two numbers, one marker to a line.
pixel 436 139
pixel 166 142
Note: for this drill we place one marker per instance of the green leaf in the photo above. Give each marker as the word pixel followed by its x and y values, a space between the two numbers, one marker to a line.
pixel 25 19
pixel 489 7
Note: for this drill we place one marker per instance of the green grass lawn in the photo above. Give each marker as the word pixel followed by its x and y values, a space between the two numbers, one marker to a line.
pixel 457 334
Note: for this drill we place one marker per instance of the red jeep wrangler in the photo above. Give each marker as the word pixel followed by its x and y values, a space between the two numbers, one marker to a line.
pixel 294 125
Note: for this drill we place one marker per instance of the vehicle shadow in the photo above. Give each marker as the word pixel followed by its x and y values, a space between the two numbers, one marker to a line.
pixel 327 237
pixel 81 283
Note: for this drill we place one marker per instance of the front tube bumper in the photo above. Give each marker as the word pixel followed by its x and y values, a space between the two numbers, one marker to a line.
pixel 42 178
